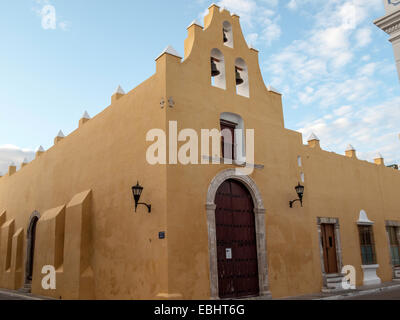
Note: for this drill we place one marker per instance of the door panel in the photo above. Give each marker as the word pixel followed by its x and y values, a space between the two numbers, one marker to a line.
pixel 235 221
pixel 329 248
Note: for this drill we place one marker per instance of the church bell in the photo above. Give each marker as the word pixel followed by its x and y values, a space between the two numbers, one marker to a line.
pixel 239 79
pixel 214 70
pixel 225 38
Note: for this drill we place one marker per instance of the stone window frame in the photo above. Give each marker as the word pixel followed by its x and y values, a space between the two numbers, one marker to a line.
pixel 338 243
pixel 259 212
pixel 391 223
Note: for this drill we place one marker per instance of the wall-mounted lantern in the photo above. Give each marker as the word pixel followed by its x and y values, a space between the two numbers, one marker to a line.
pixel 137 192
pixel 300 192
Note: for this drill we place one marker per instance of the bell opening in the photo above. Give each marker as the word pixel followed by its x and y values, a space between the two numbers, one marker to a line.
pixel 227 34
pixel 242 78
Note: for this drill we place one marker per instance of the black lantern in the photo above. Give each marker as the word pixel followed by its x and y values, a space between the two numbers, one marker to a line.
pixel 137 192
pixel 239 79
pixel 214 70
pixel 300 192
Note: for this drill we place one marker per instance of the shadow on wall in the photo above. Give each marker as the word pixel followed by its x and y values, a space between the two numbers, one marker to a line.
pixel 61 238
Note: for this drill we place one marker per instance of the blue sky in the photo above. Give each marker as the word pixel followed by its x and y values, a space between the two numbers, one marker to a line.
pixel 334 67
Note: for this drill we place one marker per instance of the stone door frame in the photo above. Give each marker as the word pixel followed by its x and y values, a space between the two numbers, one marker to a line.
pixel 335 222
pixel 259 212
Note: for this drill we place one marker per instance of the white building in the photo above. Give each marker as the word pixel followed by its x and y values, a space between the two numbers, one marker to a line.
pixel 390 23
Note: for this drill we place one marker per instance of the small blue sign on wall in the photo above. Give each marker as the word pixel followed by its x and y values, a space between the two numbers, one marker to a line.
pixel 161 235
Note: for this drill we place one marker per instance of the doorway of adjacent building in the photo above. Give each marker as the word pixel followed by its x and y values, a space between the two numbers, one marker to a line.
pixel 30 250
pixel 328 240
pixel 236 241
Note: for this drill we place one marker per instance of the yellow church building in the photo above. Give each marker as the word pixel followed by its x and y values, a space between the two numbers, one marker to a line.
pixel 206 231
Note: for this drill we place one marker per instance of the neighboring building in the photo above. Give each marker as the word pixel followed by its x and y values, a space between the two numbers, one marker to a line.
pixel 390 23
pixel 212 232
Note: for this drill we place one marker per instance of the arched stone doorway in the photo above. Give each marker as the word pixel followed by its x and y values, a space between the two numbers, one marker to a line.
pixel 30 248
pixel 249 187
pixel 236 241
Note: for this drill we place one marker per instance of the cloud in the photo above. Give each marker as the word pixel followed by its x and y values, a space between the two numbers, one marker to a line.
pixel 363 37
pixel 292 5
pixel 370 129
pixel 271 32
pixel 259 17
pixel 333 76
pixel 10 153
pixel 331 44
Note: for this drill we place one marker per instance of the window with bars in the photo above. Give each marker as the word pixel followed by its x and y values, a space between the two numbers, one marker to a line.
pixel 367 243
pixel 394 235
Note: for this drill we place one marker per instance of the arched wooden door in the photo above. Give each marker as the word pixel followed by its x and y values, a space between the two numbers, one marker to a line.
pixel 236 242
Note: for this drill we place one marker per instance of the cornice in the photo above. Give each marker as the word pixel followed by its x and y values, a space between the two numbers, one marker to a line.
pixel 389 23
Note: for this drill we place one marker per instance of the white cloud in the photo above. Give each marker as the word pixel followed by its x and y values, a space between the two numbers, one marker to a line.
pixel 10 153
pixel 363 37
pixel 321 57
pixel 370 129
pixel 252 39
pixel 260 17
pixel 368 69
pixel 343 110
pixel 272 31
pixel 292 5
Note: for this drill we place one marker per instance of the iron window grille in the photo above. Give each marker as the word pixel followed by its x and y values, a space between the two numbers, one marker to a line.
pixel 394 233
pixel 367 242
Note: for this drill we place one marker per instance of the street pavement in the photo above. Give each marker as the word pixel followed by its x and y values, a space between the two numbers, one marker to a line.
pixel 389 294
pixel 13 295
pixel 393 294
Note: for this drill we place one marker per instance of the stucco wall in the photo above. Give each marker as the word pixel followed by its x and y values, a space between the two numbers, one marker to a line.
pixel 88 176
pixel 105 155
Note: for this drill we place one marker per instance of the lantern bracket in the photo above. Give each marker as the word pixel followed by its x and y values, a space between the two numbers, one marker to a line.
pixel 144 204
pixel 137 192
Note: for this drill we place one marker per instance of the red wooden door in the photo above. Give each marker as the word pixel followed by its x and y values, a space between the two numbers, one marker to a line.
pixel 236 242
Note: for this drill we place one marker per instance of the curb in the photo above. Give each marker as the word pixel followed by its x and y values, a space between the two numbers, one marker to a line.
pixel 362 293
pixel 22 296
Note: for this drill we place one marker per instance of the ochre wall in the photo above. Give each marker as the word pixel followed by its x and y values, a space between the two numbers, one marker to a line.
pixel 107 156
pixel 336 186
pixel 82 189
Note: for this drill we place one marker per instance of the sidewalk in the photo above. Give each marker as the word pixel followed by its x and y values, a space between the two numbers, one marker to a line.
pixel 359 292
pixel 16 295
